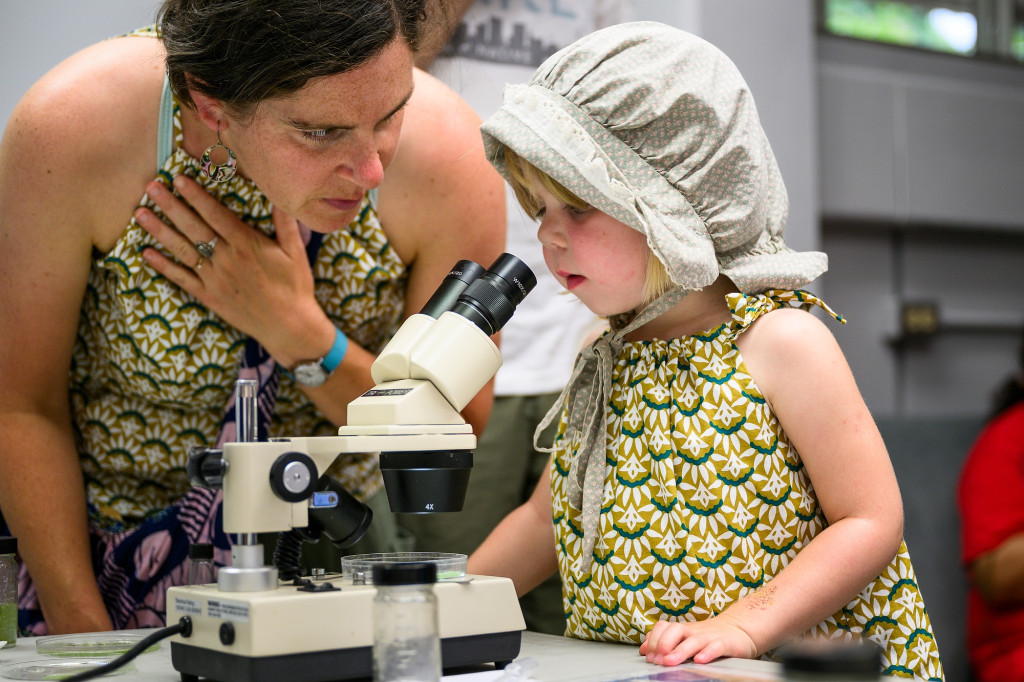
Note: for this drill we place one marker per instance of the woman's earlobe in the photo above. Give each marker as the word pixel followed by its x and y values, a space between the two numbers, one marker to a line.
pixel 209 110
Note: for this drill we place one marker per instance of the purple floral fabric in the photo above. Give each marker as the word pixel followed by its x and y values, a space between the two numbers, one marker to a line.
pixel 135 567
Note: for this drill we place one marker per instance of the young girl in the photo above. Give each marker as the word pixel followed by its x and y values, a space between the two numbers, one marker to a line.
pixel 718 486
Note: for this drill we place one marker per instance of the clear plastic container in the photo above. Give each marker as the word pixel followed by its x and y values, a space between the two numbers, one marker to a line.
pixel 90 644
pixel 406 643
pixel 8 592
pixel 359 567
pixel 57 668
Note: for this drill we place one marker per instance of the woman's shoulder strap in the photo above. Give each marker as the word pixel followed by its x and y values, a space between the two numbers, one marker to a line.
pixel 165 126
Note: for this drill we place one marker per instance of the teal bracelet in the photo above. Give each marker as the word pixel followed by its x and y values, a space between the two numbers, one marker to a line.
pixel 334 356
pixel 337 352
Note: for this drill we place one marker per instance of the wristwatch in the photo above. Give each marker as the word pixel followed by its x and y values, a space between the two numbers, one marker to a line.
pixel 315 372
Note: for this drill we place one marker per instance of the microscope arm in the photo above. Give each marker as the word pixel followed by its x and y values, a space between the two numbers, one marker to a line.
pixel 253 502
pixel 434 365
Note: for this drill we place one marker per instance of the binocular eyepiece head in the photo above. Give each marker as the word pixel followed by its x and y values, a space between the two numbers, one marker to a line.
pixel 425 482
pixel 489 301
pixel 485 297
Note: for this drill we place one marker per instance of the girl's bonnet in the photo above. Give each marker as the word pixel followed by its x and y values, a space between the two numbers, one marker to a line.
pixel 657 128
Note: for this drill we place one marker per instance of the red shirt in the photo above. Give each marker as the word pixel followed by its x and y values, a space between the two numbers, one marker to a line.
pixel 991 500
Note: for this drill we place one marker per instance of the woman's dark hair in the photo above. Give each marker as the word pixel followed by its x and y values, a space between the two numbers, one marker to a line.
pixel 242 52
pixel 1011 391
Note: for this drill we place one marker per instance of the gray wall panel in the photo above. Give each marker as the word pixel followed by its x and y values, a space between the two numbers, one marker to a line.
pixel 857 146
pixel 964 151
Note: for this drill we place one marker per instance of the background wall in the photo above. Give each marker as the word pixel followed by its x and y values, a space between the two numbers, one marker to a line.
pixel 35 36
pixel 921 204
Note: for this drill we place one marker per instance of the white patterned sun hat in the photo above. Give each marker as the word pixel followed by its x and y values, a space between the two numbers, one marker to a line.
pixel 657 128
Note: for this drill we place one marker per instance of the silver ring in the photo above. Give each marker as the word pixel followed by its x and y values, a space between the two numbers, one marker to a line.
pixel 205 249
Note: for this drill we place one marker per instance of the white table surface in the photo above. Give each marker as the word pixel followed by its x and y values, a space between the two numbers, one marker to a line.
pixel 558 659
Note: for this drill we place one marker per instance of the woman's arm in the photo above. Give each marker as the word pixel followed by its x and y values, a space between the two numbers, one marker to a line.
pixel 522 547
pixel 805 378
pixel 62 169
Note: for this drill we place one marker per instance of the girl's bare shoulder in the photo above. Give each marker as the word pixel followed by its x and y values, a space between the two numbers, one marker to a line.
pixel 786 344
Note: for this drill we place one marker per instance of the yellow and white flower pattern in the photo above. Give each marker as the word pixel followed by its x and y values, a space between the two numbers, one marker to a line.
pixel 705 500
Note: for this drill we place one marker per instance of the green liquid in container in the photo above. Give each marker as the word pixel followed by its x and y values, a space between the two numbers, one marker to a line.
pixel 8 624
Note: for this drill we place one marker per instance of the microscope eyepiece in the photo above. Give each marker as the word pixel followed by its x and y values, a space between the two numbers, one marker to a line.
pixel 454 283
pixel 489 301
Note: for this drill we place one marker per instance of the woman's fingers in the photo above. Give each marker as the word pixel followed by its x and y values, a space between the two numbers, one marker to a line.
pixel 208 210
pixel 186 277
pixel 287 230
pixel 192 227
pixel 183 249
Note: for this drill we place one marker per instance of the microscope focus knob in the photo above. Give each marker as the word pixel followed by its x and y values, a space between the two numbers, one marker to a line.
pixel 206 467
pixel 293 476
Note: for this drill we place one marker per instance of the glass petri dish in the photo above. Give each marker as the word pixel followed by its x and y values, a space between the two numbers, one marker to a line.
pixel 90 644
pixel 58 668
pixel 359 567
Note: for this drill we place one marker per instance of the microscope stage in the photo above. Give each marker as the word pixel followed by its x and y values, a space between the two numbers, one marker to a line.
pixel 307 636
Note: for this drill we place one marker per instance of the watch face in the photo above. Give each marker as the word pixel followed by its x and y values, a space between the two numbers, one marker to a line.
pixel 310 374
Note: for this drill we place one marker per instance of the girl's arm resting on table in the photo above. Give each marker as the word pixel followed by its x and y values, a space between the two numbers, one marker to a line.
pixel 522 547
pixel 802 373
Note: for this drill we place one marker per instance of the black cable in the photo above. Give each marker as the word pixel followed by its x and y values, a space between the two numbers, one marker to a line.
pixel 184 627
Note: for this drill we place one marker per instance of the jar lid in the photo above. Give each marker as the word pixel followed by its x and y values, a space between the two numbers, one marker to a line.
pixel 200 551
pixel 404 573
pixel 8 544
pixel 854 660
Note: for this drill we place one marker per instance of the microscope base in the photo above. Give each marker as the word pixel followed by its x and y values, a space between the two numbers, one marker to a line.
pixel 299 635
pixel 195 663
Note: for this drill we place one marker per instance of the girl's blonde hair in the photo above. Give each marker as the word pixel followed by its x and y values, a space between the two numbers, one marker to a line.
pixel 523 176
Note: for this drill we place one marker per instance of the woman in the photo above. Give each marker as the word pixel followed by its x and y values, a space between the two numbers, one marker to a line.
pixel 304 260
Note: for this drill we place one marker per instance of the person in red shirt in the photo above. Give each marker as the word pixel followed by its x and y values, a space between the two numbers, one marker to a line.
pixel 990 496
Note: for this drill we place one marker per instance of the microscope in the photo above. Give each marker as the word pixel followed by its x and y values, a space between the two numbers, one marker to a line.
pixel 268 623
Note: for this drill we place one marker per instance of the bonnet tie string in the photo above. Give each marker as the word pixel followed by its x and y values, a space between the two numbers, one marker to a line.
pixel 585 398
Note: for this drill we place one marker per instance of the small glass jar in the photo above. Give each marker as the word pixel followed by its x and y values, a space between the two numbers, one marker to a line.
pixel 200 564
pixel 8 592
pixel 406 642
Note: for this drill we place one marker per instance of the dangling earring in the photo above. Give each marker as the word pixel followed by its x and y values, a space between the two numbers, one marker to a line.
pixel 218 172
